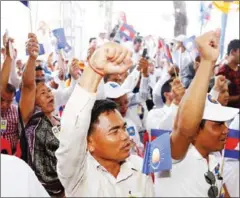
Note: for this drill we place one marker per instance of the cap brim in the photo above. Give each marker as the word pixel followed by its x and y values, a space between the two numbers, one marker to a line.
pixel 117 93
pixel 219 113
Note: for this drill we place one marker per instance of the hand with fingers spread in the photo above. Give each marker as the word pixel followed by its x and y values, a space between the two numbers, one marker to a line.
pixel 111 58
pixel 220 82
pixel 32 46
pixel 208 45
pixel 178 91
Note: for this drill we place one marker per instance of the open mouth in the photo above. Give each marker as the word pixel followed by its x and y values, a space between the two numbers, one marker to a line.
pixel 127 146
pixel 51 101
pixel 223 140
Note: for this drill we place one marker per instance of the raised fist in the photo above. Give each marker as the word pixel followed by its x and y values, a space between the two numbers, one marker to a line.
pixel 111 58
pixel 208 45
pixel 219 83
pixel 32 46
pixel 178 91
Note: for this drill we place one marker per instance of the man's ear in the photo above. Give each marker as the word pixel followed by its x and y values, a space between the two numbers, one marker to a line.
pixel 90 143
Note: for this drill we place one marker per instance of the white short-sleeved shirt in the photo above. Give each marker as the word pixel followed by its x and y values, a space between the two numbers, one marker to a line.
pixel 186 179
pixel 18 179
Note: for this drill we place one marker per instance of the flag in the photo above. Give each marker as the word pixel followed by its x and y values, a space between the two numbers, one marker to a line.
pixel 157 132
pixel 167 52
pixel 205 12
pixel 191 47
pixel 158 155
pixel 232 144
pixel 61 39
pixel 127 32
pixel 26 3
pixel 41 50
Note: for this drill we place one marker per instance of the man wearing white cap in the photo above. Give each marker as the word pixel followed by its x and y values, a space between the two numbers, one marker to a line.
pixel 199 130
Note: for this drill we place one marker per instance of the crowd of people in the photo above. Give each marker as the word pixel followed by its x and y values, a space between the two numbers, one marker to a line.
pixel 81 126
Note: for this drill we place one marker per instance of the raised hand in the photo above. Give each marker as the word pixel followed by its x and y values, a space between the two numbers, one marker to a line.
pixel 143 66
pixel 74 69
pixel 111 58
pixel 208 45
pixel 219 82
pixel 178 91
pixel 32 46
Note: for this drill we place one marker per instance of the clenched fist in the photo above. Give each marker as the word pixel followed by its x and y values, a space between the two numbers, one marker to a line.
pixel 220 82
pixel 111 58
pixel 143 65
pixel 178 91
pixel 208 45
pixel 32 46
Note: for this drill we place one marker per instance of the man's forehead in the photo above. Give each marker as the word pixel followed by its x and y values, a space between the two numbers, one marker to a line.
pixel 110 118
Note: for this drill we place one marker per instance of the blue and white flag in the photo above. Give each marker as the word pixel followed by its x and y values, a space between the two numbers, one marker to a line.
pixel 157 155
pixel 61 39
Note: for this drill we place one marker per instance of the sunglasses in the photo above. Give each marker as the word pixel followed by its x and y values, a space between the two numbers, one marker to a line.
pixel 210 179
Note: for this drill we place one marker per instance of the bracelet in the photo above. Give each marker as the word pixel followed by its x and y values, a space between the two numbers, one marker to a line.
pixel 96 70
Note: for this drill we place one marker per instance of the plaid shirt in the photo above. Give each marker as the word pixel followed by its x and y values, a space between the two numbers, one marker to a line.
pixel 234 78
pixel 11 133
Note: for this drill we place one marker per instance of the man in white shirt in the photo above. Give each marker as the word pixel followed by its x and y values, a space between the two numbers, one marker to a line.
pixel 18 179
pixel 199 130
pixel 94 153
pixel 163 118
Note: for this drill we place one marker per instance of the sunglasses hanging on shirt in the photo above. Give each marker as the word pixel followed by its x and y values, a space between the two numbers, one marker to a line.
pixel 210 179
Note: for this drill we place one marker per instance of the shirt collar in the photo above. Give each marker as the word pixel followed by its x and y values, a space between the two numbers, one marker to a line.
pixel 126 170
pixel 213 162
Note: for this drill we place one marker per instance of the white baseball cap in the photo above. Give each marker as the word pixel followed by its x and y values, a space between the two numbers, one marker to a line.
pixel 114 90
pixel 214 111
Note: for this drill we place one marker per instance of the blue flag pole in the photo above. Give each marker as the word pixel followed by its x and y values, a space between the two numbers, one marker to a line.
pixel 223 31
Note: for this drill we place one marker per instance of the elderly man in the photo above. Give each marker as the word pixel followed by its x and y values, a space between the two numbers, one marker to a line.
pixel 94 154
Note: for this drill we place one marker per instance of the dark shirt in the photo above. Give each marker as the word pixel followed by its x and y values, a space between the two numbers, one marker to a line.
pixel 234 86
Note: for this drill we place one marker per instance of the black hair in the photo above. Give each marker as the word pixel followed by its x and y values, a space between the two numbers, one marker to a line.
pixel 137 40
pixel 112 35
pixel 233 45
pixel 166 88
pixel 10 89
pixel 91 39
pixel 198 59
pixel 39 68
pixel 202 124
pixel 100 106
pixel 106 77
pixel 40 80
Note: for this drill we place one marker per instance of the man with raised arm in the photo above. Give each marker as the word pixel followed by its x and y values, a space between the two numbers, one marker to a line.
pixel 94 153
pixel 199 130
